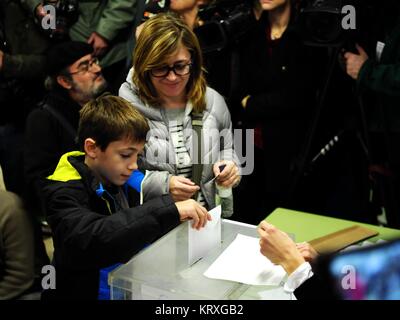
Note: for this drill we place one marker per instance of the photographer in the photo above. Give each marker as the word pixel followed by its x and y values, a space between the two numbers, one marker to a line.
pixel 377 73
pixel 22 62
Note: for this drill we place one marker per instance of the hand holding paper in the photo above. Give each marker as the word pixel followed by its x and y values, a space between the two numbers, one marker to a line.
pixel 206 239
pixel 191 210
pixel 243 262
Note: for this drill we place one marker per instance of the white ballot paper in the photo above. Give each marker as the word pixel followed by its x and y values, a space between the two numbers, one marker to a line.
pixel 203 240
pixel 242 262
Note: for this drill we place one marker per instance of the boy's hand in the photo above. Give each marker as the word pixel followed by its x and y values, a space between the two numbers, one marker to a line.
pixel 191 210
pixel 182 188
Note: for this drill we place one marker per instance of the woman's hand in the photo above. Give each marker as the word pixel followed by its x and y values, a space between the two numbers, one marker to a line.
pixel 307 251
pixel 182 188
pixel 229 176
pixel 279 248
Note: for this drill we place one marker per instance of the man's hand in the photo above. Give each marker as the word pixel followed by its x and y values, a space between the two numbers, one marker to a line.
pixel 354 62
pixel 40 12
pixel 98 43
pixel 182 188
pixel 229 176
pixel 279 248
pixel 191 210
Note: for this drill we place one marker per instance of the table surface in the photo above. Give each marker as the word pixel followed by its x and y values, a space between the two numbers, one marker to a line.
pixel 307 226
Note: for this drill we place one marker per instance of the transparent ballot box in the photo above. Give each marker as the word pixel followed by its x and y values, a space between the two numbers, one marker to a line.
pixel 162 272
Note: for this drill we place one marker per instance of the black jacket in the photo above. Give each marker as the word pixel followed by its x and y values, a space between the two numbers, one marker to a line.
pixel 281 85
pixel 88 236
pixel 46 140
pixel 22 74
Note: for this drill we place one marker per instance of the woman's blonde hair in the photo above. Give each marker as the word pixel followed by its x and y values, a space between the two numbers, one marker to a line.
pixel 160 38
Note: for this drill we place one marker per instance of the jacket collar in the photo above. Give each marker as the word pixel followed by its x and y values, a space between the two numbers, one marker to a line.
pixel 72 167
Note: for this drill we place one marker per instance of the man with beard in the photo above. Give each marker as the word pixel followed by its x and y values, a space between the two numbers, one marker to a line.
pixel 74 78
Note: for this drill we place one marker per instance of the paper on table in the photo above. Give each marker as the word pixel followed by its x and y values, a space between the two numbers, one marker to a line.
pixel 203 240
pixel 243 262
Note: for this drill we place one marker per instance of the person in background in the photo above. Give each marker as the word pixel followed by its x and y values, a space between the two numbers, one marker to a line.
pixel 17 274
pixel 167 85
pixel 74 77
pixel 188 10
pixel 275 97
pixel 106 26
pixel 22 63
pixel 377 76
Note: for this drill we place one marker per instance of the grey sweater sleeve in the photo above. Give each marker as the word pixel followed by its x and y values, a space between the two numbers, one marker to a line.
pixel 155 183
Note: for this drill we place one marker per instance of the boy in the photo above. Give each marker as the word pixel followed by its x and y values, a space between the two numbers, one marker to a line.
pixel 92 217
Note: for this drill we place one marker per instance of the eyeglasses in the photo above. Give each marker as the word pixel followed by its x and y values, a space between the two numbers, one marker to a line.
pixel 86 66
pixel 180 69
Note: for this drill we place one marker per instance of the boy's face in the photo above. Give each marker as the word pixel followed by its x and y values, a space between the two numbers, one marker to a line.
pixel 116 163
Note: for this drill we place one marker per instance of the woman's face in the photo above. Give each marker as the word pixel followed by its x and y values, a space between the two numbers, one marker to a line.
pixel 268 5
pixel 183 5
pixel 172 87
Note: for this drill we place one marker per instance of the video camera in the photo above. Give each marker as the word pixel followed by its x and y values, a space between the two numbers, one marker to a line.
pixel 225 22
pixel 322 23
pixel 66 14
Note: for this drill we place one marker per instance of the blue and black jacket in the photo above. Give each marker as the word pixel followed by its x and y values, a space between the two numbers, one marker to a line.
pixel 89 234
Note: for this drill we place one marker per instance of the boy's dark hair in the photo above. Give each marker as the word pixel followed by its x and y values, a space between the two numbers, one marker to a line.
pixel 110 118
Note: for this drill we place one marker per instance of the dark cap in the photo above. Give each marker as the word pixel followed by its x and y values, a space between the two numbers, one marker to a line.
pixel 64 54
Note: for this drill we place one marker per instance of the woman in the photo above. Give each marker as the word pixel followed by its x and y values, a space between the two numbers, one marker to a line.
pixel 167 85
pixel 188 10
pixel 275 98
